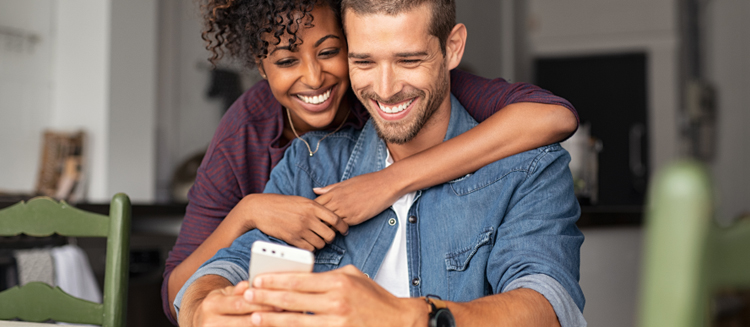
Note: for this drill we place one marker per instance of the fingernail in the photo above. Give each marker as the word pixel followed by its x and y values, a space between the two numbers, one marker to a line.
pixel 249 295
pixel 257 282
pixel 255 318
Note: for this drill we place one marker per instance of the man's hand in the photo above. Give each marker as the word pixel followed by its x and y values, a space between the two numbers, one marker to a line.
pixel 299 221
pixel 213 301
pixel 360 198
pixel 342 297
pixel 226 307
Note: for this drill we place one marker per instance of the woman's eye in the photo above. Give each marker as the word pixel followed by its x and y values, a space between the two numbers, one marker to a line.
pixel 285 62
pixel 330 53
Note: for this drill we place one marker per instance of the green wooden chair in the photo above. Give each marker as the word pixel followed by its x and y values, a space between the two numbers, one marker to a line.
pixel 688 257
pixel 36 301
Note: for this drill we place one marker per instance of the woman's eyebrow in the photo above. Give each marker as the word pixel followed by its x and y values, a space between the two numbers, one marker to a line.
pixel 325 38
pixel 322 39
pixel 280 48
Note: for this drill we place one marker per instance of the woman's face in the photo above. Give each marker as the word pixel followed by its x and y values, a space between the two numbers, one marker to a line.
pixel 311 80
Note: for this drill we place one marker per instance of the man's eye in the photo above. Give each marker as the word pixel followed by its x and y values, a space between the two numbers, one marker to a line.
pixel 411 61
pixel 362 62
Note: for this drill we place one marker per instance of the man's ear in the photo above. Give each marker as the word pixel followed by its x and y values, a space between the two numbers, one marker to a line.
pixel 455 46
pixel 261 70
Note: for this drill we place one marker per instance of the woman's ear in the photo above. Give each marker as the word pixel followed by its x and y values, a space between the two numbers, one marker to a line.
pixel 261 70
pixel 455 46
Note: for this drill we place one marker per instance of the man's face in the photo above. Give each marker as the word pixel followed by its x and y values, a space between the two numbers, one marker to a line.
pixel 397 70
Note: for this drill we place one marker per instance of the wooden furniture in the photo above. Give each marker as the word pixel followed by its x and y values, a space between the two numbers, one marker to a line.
pixel 688 257
pixel 37 302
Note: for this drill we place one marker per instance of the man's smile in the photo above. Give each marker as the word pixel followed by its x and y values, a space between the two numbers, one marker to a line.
pixel 394 108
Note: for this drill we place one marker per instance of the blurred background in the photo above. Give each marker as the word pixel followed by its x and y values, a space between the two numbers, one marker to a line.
pixel 106 96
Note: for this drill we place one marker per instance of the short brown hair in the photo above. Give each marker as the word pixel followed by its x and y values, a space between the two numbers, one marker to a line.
pixel 443 13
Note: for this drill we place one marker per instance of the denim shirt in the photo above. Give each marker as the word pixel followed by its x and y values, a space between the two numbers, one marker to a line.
pixel 508 225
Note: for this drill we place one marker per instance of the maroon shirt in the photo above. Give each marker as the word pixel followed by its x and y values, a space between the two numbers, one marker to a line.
pixel 246 147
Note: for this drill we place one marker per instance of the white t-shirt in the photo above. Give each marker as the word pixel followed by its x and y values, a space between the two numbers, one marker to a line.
pixel 393 274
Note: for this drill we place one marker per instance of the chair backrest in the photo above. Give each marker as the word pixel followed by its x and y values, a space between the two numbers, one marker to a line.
pixel 36 302
pixel 688 257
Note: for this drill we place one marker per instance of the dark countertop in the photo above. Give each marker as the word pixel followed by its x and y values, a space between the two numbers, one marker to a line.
pixel 157 216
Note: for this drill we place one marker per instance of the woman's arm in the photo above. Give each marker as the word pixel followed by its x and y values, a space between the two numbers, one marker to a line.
pixel 520 126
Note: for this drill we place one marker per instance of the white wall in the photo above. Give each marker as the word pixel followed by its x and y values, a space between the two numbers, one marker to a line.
pixel 132 102
pixel 80 92
pixel 728 68
pixel 94 69
pixel 25 91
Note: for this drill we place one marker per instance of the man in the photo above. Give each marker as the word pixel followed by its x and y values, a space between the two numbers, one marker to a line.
pixel 500 245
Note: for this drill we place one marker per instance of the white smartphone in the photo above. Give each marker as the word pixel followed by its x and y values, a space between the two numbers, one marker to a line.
pixel 271 257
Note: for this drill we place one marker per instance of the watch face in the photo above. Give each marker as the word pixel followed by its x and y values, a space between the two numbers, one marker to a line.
pixel 444 318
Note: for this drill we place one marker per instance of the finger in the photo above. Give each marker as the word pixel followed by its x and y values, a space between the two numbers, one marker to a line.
pixel 231 305
pixel 240 288
pixel 323 231
pixel 332 219
pixel 283 319
pixel 304 282
pixel 291 301
pixel 314 239
pixel 229 321
pixel 323 190
pixel 302 244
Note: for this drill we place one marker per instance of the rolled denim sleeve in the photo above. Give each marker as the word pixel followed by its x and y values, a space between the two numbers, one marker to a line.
pixel 565 308
pixel 538 234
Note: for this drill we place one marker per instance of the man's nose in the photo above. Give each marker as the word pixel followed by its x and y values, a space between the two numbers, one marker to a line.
pixel 386 87
pixel 312 75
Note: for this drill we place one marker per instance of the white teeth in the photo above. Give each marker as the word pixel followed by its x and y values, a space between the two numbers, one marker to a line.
pixel 393 110
pixel 318 99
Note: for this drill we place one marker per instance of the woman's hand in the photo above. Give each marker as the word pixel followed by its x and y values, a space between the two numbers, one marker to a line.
pixel 299 221
pixel 360 198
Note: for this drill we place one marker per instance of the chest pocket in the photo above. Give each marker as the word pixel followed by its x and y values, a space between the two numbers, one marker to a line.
pixel 329 257
pixel 459 260
pixel 467 278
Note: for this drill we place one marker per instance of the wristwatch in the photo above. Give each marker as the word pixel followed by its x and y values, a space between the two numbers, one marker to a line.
pixel 440 316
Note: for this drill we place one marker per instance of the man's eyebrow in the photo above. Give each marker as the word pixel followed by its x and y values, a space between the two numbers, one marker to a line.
pixel 325 38
pixel 411 54
pixel 353 55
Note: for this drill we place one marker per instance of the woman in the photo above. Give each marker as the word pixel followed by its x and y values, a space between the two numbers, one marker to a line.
pixel 299 48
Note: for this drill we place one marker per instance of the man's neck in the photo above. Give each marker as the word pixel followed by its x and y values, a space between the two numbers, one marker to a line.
pixel 431 134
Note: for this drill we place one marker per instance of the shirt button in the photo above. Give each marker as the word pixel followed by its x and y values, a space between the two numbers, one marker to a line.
pixel 392 221
pixel 415 281
pixel 412 219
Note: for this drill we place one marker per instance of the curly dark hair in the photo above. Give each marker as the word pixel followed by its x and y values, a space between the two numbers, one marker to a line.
pixel 237 27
